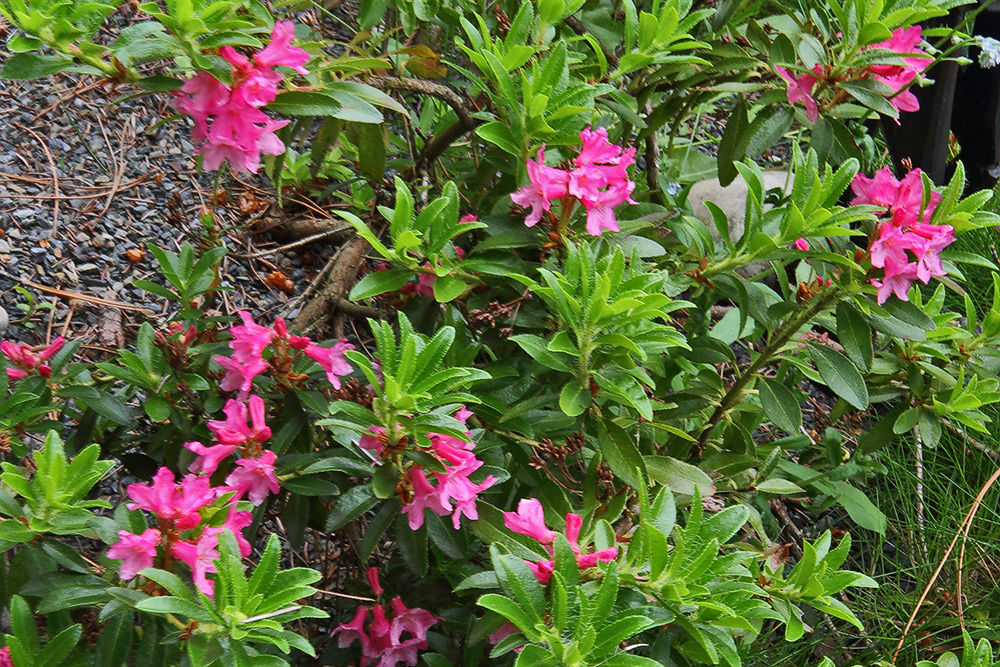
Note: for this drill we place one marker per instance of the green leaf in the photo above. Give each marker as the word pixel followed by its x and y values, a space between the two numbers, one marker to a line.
pixel 370 139
pixel 574 399
pixel 350 506
pixel 167 604
pixel 680 476
pixel 103 404
pixel 861 510
pixel 385 480
pixel 780 405
pixel 379 282
pixel 621 453
pixel 500 135
pixel 412 545
pixel 157 408
pixel 448 288
pixel 33 66
pixel 59 647
pixel 736 125
pixel 840 374
pixel 781 487
pixel 855 335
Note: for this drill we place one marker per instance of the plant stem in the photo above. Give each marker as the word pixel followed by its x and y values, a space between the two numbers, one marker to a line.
pixel 781 336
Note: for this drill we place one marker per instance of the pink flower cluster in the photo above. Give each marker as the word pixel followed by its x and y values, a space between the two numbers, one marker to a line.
pixel 239 131
pixel 249 342
pixel 27 362
pixel 902 230
pixel 383 639
pixel 5 660
pixel 897 77
pixel 181 532
pixel 254 475
pixel 600 182
pixel 453 485
pixel 529 520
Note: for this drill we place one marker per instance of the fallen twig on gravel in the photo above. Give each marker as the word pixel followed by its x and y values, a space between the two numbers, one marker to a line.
pixel 55 174
pixel 344 270
pixel 67 294
pixel 337 231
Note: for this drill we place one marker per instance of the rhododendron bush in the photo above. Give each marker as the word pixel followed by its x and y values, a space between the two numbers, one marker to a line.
pixel 570 416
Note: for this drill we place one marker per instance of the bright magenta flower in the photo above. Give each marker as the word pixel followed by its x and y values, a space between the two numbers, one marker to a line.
pixel 596 148
pixel 897 280
pixel 27 362
pixel 209 458
pixel 600 210
pixel 200 557
pixel 383 639
pixel 800 89
pixel 168 501
pixel 255 478
pixel 902 199
pixel 331 359
pixel 135 551
pixel 801 244
pixel 904 41
pixel 5 660
pixel 547 184
pixel 235 430
pixel 280 50
pixel 530 520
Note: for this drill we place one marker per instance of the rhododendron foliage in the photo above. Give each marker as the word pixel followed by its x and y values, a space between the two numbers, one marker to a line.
pixel 599 181
pixel 227 118
pixel 904 246
pixel 529 520
pixel 904 42
pixel 384 640
pixel 452 486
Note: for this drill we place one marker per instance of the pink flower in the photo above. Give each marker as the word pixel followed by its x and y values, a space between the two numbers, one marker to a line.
pixel 372 576
pixel 249 339
pixel 383 640
pixel 530 521
pixel 800 89
pixel 897 281
pixel 903 41
pixel 5 660
pixel 355 630
pixel 234 430
pixel 374 442
pixel 136 551
pixel 505 630
pixel 281 52
pixel 802 244
pixel 331 359
pixel 547 183
pixel 27 362
pixel 239 376
pixel 468 217
pixel 600 211
pixel 179 505
pixel 235 523
pixel 255 477
pixel 901 199
pixel 209 458
pixel 200 557
pixel 596 148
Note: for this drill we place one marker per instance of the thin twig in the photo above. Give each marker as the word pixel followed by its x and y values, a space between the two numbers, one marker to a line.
pixel 440 91
pixel 67 294
pixel 55 175
pixel 976 444
pixel 296 244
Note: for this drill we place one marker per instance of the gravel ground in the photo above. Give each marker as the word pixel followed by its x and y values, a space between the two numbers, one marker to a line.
pixel 86 176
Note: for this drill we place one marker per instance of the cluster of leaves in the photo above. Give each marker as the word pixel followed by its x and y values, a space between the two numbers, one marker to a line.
pixel 651 381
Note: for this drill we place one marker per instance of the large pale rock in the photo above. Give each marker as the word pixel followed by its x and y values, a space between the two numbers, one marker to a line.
pixel 732 199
